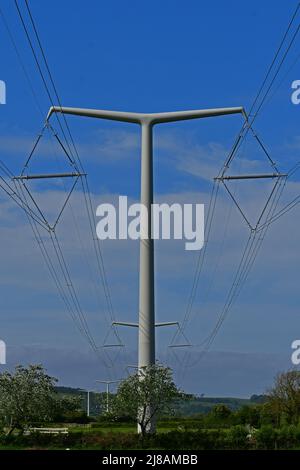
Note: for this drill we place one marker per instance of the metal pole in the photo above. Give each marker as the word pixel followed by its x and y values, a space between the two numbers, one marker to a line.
pixel 146 354
pixel 146 281
pixel 88 403
pixel 107 383
pixel 88 400
pixel 146 288
pixel 107 397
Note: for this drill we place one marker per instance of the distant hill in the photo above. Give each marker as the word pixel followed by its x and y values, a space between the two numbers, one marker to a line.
pixel 69 390
pixel 190 407
pixel 205 404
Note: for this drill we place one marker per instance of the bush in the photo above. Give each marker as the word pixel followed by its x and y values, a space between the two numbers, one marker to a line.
pixel 288 437
pixel 44 440
pixel 192 440
pixel 237 437
pixel 266 437
pixel 113 420
pixel 250 415
pixel 77 417
pixel 111 441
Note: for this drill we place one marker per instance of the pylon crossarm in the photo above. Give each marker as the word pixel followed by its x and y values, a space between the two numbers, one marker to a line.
pixel 49 175
pixel 136 325
pixel 124 323
pixel 143 118
pixel 108 381
pixel 249 177
pixel 168 323
pixel 161 118
pixel 96 113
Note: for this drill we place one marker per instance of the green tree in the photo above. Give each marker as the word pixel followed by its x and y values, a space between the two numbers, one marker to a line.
pixel 221 412
pixel 67 408
pixel 249 414
pixel 146 394
pixel 284 398
pixel 26 397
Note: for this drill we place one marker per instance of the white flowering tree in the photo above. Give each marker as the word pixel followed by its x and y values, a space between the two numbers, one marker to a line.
pixel 148 393
pixel 26 396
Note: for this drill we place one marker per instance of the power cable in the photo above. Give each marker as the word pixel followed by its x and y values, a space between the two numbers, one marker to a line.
pixel 246 126
pixel 100 257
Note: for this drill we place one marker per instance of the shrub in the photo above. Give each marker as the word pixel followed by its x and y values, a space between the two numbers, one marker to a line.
pixel 288 437
pixel 250 415
pixel 111 441
pixel 266 437
pixel 192 440
pixel 44 440
pixel 237 437
pixel 77 417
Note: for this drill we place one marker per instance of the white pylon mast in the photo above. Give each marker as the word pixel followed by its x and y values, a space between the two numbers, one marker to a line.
pixel 146 325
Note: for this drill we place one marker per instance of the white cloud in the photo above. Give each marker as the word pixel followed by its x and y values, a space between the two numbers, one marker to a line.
pixel 273 277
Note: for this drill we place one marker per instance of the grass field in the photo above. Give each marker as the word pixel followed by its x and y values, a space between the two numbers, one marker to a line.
pixel 177 434
pixel 102 432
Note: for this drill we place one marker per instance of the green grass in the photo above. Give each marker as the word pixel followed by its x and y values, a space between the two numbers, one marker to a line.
pixel 101 429
pixel 162 427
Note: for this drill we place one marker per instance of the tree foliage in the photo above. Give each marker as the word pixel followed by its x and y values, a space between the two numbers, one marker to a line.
pixel 26 397
pixel 221 412
pixel 67 408
pixel 151 392
pixel 284 398
pixel 250 415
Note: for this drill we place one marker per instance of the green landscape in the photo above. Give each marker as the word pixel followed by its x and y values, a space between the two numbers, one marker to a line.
pixel 35 414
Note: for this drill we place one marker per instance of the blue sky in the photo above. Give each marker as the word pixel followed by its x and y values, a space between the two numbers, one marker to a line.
pixel 163 56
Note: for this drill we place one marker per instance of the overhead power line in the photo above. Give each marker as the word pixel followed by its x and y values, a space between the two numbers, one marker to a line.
pixel 258 102
pixel 70 151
